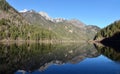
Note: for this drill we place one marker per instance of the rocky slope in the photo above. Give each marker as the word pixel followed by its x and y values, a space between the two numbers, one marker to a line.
pixel 31 25
pixel 13 26
pixel 10 21
pixel 65 29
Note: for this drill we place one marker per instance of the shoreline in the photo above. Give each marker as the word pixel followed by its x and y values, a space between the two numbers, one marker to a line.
pixel 40 41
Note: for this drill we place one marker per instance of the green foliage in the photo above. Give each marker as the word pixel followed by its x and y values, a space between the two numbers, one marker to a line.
pixel 109 52
pixel 14 27
pixel 4 5
pixel 24 32
pixel 109 31
pixel 64 30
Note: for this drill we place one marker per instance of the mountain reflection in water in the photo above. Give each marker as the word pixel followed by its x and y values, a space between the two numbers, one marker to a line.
pixel 111 50
pixel 71 58
pixel 30 57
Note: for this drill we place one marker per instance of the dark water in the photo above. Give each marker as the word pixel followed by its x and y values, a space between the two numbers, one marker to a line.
pixel 81 58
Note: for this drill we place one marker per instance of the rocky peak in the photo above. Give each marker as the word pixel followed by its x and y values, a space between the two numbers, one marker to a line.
pixel 42 14
pixel 46 16
pixel 27 11
pixel 58 20
pixel 76 22
pixel 23 11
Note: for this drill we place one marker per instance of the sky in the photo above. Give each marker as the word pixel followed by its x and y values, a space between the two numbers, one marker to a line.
pixel 90 12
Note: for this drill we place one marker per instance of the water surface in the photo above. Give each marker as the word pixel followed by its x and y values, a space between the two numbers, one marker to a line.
pixel 68 58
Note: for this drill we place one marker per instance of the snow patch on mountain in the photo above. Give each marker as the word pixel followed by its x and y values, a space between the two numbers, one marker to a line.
pixel 23 11
pixel 47 17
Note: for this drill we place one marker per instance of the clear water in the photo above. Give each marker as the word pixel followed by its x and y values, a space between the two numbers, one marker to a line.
pixel 81 58
pixel 98 65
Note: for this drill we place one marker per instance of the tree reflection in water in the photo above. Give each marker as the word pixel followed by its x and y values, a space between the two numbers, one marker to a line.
pixel 30 57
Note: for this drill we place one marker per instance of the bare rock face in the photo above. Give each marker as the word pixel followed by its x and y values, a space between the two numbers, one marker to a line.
pixel 77 23
pixel 45 15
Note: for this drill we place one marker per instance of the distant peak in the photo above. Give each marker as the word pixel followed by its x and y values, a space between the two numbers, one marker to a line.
pixel 59 19
pixel 32 11
pixel 76 22
pixel 24 10
pixel 44 14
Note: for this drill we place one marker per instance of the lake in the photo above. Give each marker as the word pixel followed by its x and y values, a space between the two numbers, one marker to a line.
pixel 63 58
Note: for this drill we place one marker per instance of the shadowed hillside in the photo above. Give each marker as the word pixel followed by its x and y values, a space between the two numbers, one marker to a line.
pixel 109 31
pixel 113 42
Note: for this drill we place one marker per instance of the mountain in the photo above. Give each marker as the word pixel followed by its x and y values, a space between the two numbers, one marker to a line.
pixel 76 23
pixel 13 26
pixel 11 22
pixel 64 29
pixel 110 33
pixel 9 13
pixel 36 26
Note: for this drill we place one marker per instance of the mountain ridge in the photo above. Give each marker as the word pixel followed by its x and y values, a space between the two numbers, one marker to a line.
pixel 14 27
pixel 71 28
pixel 32 25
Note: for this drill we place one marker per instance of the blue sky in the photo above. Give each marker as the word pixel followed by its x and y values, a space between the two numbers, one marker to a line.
pixel 90 12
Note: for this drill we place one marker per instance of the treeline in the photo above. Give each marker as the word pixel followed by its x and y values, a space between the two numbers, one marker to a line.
pixel 32 26
pixel 4 5
pixel 10 31
pixel 109 31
